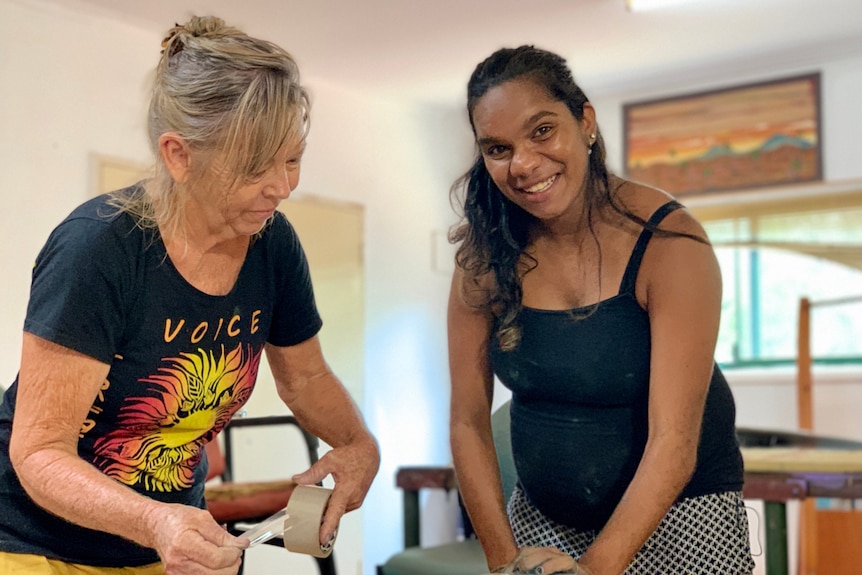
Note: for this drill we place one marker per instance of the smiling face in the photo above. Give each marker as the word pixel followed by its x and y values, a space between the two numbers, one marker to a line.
pixel 534 149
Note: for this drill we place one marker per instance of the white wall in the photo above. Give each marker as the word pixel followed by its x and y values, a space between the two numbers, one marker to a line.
pixel 70 86
pixel 399 162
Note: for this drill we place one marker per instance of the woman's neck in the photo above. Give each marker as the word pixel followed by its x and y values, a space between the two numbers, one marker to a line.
pixel 571 229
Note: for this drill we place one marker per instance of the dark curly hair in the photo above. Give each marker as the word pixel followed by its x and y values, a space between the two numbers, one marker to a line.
pixel 493 235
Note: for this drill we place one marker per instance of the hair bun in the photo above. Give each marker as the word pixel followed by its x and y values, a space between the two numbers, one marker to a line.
pixel 172 43
pixel 199 26
pixel 196 27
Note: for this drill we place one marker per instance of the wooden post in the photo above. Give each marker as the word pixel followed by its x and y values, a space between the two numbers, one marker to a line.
pixel 805 406
pixel 803 367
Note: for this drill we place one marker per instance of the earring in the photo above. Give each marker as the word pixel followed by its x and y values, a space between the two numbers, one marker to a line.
pixel 592 136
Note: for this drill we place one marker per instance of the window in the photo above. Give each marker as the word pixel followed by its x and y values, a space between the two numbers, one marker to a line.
pixel 774 253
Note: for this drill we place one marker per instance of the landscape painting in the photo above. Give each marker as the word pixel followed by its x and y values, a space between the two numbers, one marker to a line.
pixel 750 136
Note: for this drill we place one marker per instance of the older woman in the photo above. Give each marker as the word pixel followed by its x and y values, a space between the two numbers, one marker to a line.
pixel 150 311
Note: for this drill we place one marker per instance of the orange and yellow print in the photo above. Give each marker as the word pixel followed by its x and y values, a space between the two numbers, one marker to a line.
pixel 159 438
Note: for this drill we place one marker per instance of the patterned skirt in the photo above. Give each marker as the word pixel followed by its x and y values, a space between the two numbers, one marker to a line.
pixel 705 535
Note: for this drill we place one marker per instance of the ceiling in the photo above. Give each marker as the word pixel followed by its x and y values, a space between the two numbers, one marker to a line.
pixel 426 49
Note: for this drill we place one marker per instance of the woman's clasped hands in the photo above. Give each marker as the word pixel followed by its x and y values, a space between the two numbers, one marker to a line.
pixel 542 561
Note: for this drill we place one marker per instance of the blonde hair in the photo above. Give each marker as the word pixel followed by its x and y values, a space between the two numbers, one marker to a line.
pixel 225 93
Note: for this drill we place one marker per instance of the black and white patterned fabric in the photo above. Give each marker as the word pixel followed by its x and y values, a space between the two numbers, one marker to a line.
pixel 705 535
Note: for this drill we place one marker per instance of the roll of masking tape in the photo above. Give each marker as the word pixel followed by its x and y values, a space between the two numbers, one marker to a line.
pixel 305 510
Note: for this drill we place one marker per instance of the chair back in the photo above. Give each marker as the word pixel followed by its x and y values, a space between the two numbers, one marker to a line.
pixel 461 557
pixel 501 421
pixel 215 457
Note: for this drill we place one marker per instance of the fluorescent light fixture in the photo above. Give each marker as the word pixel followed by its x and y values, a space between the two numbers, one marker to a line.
pixel 644 5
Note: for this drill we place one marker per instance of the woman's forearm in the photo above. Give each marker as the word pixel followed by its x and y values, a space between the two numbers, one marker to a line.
pixel 69 487
pixel 326 410
pixel 480 486
pixel 661 476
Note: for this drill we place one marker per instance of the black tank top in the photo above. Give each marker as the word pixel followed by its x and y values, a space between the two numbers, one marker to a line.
pixel 580 385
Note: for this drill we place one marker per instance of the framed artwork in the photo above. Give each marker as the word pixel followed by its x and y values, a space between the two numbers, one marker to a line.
pixel 749 136
pixel 115 173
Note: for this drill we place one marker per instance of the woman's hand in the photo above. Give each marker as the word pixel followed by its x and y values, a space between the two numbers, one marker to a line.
pixel 190 542
pixel 353 467
pixel 542 561
pixel 325 409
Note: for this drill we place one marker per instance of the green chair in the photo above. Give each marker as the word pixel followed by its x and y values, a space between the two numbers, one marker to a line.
pixel 461 557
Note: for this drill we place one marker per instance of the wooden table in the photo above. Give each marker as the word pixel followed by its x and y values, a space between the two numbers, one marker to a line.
pixel 776 475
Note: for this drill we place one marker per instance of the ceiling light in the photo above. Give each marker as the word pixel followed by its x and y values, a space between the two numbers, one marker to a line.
pixel 644 5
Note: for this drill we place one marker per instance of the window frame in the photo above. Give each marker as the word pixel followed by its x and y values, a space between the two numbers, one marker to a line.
pixel 754 205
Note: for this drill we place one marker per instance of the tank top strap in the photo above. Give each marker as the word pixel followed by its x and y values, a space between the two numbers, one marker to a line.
pixel 631 273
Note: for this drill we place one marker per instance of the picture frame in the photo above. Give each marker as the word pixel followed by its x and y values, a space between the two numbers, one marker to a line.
pixel 748 136
pixel 111 173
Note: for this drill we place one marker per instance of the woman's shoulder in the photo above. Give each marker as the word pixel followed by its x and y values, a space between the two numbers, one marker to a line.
pixel 643 201
pixel 97 217
pixel 280 232
pixel 678 253
pixel 94 231
pixel 278 248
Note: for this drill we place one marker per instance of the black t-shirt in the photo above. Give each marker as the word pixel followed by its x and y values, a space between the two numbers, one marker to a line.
pixel 580 391
pixel 182 362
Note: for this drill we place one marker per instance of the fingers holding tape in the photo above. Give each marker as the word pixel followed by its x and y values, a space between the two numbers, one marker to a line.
pixel 305 511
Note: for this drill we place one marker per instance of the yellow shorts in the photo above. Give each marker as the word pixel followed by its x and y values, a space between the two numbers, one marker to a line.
pixel 20 563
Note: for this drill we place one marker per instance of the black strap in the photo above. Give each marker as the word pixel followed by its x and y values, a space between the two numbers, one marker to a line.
pixel 631 273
